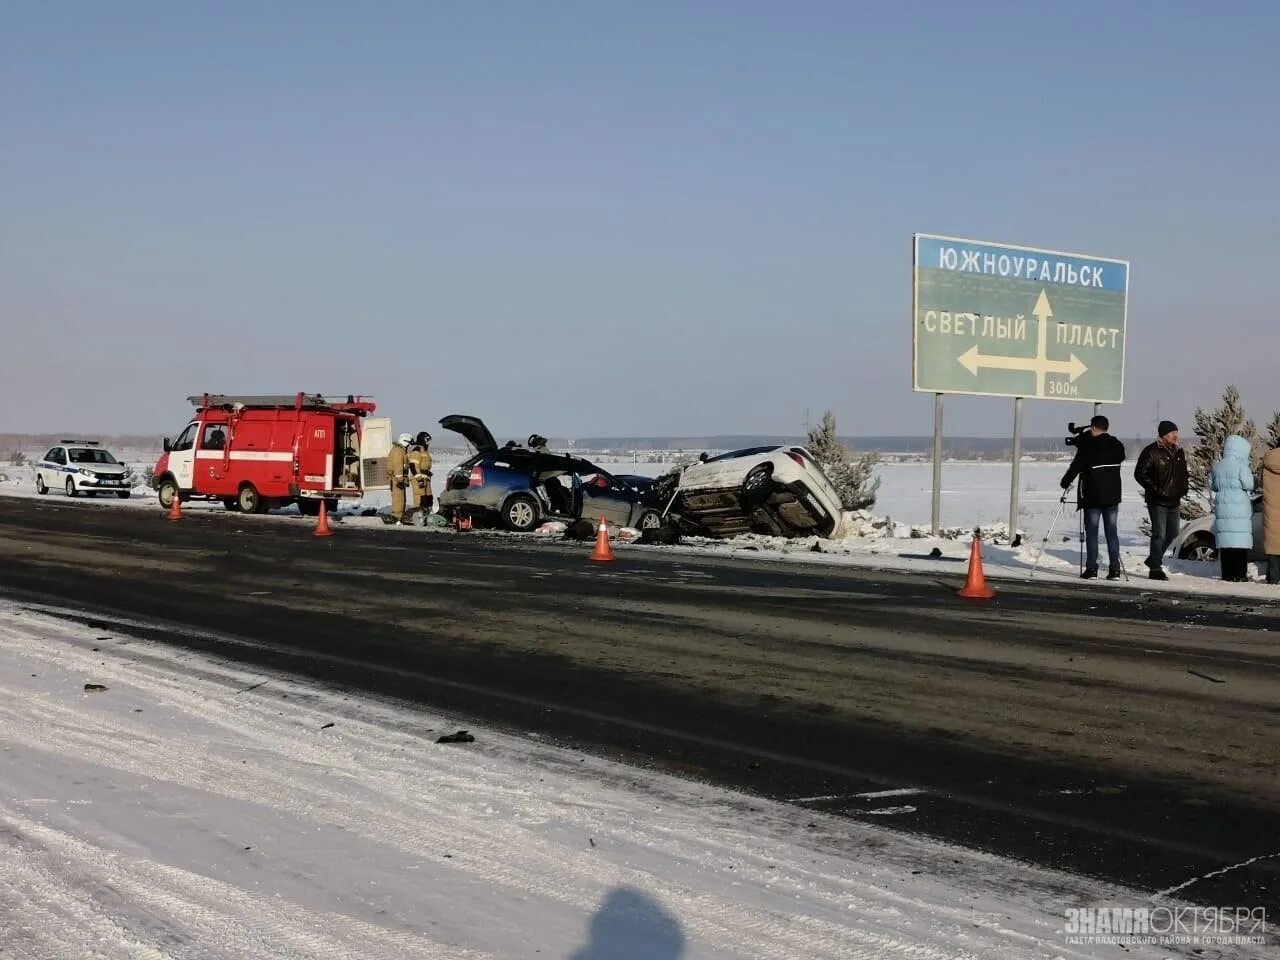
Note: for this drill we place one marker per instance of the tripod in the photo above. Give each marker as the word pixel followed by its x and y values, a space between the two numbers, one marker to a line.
pixel 1062 505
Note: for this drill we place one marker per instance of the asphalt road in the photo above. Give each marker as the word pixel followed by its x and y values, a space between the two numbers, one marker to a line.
pixel 1121 735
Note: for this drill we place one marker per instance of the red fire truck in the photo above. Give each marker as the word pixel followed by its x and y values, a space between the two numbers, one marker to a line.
pixel 254 453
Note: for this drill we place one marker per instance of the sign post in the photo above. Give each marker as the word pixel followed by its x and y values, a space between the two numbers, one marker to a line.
pixel 994 320
pixel 1014 489
pixel 937 464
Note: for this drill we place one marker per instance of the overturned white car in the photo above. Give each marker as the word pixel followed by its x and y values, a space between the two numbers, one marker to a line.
pixel 771 490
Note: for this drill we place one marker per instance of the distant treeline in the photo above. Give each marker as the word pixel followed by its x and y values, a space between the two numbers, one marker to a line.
pixel 953 447
pixel 40 441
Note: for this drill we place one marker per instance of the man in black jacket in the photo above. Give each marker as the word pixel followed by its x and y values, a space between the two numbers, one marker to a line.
pixel 1162 474
pixel 1097 465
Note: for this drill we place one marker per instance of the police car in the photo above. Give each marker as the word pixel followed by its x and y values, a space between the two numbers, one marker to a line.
pixel 83 466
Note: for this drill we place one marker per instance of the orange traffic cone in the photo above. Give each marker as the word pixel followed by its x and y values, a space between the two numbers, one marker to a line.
pixel 322 524
pixel 175 507
pixel 975 587
pixel 603 553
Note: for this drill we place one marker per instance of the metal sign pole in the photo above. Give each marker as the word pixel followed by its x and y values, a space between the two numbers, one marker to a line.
pixel 1017 463
pixel 937 464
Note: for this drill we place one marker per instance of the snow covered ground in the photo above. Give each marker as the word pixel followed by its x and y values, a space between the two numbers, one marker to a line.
pixel 974 494
pixel 191 809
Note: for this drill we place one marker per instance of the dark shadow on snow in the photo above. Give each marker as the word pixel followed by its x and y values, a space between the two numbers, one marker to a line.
pixel 631 925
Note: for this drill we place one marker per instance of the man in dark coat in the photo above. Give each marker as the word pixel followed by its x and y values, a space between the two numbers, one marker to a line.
pixel 1162 474
pixel 1097 465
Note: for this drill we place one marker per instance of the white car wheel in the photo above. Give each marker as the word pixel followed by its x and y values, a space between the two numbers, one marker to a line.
pixel 71 488
pixel 41 487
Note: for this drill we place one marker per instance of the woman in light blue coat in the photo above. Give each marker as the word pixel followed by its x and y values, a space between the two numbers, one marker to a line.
pixel 1232 483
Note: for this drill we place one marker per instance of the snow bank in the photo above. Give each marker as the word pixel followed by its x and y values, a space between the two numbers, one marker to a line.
pixel 193 809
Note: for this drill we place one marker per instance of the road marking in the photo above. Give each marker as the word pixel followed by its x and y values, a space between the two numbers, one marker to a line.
pixel 871 795
pixel 904 792
pixel 1216 873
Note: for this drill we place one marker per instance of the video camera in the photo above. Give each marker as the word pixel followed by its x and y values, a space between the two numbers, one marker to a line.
pixel 1076 433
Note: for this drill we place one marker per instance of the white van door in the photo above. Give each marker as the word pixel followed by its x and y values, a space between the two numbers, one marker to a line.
pixel 375 446
pixel 182 456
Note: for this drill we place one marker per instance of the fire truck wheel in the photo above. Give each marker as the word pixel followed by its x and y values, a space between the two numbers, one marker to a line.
pixel 250 500
pixel 168 490
pixel 71 488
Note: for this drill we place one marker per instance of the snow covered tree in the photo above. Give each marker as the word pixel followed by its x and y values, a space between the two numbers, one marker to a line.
pixel 1272 438
pixel 852 474
pixel 1212 429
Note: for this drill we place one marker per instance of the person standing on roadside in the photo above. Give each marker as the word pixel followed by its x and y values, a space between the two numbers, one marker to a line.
pixel 398 475
pixel 420 474
pixel 1232 484
pixel 1162 474
pixel 1097 465
pixel 1271 513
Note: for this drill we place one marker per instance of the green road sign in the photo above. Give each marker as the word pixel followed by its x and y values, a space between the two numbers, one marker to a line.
pixel 1001 321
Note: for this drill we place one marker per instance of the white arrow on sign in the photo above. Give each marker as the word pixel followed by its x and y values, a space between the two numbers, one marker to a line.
pixel 973 359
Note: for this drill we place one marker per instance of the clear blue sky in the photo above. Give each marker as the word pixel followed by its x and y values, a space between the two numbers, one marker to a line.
pixel 586 218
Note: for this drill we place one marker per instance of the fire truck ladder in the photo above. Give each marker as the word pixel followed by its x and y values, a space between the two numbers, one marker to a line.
pixel 295 401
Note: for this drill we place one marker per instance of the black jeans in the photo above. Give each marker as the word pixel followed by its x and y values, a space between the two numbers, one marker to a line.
pixel 1235 565
pixel 1164 527
pixel 1273 569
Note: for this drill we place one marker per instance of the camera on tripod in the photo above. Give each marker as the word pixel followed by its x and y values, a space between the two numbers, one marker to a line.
pixel 1076 433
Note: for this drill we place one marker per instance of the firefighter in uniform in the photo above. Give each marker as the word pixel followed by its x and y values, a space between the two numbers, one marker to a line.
pixel 419 458
pixel 398 474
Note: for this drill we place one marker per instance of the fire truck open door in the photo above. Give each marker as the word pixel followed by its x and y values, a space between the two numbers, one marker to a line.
pixel 375 446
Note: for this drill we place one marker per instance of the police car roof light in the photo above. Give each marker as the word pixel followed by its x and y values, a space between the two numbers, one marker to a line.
pixel 81 443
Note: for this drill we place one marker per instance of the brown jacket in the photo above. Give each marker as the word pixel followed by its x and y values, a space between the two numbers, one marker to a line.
pixel 398 465
pixel 1271 502
pixel 419 461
